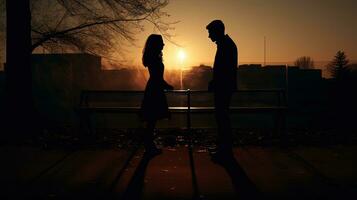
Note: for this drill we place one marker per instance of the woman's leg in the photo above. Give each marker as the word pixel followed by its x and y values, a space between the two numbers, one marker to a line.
pixel 149 135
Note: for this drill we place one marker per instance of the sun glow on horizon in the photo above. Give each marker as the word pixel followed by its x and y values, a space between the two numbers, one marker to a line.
pixel 181 55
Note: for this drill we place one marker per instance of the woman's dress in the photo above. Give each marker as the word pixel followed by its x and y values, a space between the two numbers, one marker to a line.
pixel 154 105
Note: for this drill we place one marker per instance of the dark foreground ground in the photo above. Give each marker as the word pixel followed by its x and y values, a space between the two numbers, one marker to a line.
pixel 118 170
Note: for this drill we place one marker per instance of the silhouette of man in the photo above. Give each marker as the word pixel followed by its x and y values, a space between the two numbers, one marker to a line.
pixel 223 84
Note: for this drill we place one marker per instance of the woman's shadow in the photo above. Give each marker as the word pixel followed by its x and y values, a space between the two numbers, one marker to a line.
pixel 244 187
pixel 136 184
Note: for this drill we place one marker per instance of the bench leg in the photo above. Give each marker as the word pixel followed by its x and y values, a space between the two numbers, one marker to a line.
pixel 86 128
pixel 277 131
pixel 280 125
pixel 282 128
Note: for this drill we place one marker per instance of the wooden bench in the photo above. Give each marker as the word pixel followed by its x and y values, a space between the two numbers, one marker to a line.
pixel 86 108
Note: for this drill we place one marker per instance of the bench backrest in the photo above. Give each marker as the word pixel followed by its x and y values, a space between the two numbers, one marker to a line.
pixel 183 98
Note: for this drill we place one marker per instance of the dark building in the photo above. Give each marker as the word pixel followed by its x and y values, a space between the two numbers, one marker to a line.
pixel 122 79
pixel 258 77
pixel 57 82
pixel 197 78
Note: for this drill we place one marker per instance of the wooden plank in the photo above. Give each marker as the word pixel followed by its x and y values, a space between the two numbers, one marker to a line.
pixel 93 92
pixel 337 164
pixel 298 173
pixel 87 174
pixel 278 175
pixel 24 164
pixel 168 176
pixel 240 109
pixel 122 181
pixel 109 109
pixel 213 180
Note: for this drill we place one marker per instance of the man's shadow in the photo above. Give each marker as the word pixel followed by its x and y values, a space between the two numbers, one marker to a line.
pixel 136 184
pixel 244 187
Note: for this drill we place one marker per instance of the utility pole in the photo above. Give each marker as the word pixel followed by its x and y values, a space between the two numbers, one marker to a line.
pixel 264 51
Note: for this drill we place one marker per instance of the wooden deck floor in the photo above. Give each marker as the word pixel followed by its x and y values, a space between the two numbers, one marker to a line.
pixel 305 172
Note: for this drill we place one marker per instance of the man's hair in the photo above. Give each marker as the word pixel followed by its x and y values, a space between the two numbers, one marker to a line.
pixel 216 25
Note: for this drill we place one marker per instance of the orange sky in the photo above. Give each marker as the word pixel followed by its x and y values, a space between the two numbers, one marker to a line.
pixel 316 28
pixel 294 28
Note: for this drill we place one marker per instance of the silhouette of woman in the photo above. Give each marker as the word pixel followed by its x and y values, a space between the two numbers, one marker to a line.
pixel 154 105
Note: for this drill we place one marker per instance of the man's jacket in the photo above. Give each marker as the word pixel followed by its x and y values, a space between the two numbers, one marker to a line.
pixel 225 66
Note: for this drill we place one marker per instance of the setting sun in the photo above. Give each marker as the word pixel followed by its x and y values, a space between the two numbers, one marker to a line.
pixel 181 56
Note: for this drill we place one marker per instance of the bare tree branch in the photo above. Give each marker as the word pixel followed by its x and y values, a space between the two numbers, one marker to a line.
pixel 304 62
pixel 54 34
pixel 94 26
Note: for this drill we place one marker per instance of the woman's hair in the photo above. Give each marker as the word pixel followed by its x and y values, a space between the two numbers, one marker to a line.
pixel 152 50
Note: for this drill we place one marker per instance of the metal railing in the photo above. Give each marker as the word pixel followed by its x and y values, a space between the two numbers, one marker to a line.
pixel 86 108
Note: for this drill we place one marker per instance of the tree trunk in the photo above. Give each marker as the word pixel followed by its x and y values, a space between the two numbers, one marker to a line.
pixel 18 72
